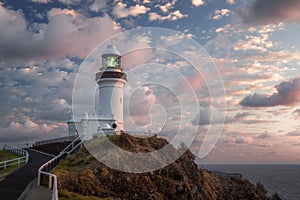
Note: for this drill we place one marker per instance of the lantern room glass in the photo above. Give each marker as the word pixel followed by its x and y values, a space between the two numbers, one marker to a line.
pixel 111 61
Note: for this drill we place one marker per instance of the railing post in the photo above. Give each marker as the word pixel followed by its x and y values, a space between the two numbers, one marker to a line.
pixel 39 178
pixel 5 165
pixel 19 162
pixel 55 190
pixel 50 182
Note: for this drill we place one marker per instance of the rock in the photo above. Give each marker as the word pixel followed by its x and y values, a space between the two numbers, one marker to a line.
pixel 180 180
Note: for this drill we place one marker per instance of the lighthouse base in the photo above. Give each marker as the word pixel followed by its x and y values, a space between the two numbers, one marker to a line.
pixel 91 125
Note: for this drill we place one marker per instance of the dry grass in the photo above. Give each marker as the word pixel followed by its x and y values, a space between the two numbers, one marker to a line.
pixel 66 195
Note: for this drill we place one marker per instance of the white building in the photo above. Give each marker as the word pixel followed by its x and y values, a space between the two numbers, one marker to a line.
pixel 111 80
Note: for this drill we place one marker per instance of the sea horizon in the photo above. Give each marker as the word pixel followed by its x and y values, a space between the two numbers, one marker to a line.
pixel 283 179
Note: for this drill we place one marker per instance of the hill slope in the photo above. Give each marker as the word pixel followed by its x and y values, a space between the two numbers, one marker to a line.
pixel 81 174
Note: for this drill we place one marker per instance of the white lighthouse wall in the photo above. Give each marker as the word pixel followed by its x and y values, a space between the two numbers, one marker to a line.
pixel 71 128
pixel 111 100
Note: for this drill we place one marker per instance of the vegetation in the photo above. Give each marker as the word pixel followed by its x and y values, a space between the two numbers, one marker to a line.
pixel 80 176
pixel 260 188
pixel 65 195
pixel 53 148
pixel 6 155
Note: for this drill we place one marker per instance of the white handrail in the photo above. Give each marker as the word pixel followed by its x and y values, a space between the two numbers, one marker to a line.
pixel 53 140
pixel 48 166
pixel 19 152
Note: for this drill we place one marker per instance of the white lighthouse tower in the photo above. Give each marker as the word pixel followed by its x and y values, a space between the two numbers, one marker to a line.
pixel 109 117
pixel 111 80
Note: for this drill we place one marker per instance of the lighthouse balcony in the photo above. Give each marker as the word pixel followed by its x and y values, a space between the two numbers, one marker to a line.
pixel 111 74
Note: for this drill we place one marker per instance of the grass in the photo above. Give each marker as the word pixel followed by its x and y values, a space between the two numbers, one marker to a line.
pixel 6 155
pixel 66 195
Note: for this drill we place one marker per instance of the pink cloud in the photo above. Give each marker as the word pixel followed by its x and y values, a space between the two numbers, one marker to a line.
pixel 139 105
pixel 29 131
pixel 288 94
pixel 196 82
pixel 271 11
pixel 293 134
pixel 137 58
pixel 67 33
pixel 238 140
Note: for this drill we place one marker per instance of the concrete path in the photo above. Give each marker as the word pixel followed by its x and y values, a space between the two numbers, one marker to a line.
pixel 35 192
pixel 14 184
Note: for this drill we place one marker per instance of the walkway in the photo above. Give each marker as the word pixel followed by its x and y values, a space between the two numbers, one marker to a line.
pixel 35 192
pixel 14 184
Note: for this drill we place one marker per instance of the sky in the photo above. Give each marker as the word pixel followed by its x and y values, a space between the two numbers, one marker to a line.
pixel 254 44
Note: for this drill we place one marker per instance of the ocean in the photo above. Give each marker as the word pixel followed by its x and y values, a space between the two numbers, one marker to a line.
pixel 282 179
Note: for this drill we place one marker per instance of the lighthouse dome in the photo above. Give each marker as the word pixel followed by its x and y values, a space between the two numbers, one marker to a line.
pixel 111 50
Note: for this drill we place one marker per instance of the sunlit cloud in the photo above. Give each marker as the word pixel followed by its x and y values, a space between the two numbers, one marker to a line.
pixel 221 13
pixel 172 16
pixel 198 2
pixel 121 11
pixel 230 1
pixel 67 33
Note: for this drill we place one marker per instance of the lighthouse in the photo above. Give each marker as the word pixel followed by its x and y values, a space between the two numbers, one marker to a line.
pixel 109 116
pixel 111 80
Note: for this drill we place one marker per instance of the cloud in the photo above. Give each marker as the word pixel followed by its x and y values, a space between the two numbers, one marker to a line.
pixel 139 106
pixel 120 10
pixel 41 91
pixel 220 13
pixel 56 110
pixel 67 33
pixel 28 131
pixel 293 134
pixel 97 5
pixel 242 119
pixel 241 115
pixel 257 121
pixel 198 2
pixel 240 140
pixel 288 94
pixel 258 43
pixel 141 101
pixel 136 58
pixel 271 11
pixel 205 117
pixel 265 135
pixel 165 8
pixel 195 81
pixel 230 1
pixel 41 1
pixel 35 100
pixel 172 16
pixel 70 2
pixel 265 145
pixel 296 113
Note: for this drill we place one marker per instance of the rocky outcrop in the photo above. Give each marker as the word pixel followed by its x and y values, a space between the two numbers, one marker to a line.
pixel 80 173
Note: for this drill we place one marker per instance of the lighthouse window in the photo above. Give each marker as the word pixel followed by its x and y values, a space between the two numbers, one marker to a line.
pixel 111 61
